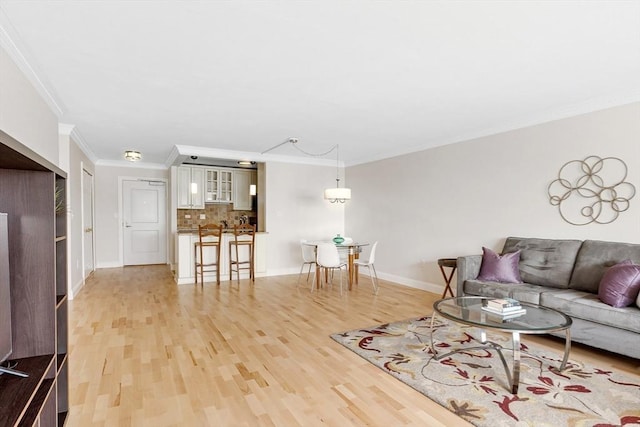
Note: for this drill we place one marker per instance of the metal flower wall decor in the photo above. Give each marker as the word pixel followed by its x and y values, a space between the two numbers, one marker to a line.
pixel 591 190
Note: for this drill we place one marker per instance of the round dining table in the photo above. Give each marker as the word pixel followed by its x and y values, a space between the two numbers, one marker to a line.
pixel 353 249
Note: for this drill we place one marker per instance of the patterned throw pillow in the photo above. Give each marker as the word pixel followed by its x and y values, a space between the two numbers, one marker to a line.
pixel 620 284
pixel 499 268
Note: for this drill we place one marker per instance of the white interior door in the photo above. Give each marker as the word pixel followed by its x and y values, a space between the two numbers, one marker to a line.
pixel 144 222
pixel 87 222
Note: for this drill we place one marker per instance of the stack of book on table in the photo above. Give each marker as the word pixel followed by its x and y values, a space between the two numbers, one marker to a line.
pixel 506 308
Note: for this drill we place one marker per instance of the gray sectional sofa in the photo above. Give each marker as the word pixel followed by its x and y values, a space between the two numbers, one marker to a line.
pixel 564 275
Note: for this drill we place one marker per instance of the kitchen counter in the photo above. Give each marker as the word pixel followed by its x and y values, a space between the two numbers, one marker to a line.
pixel 224 230
pixel 185 254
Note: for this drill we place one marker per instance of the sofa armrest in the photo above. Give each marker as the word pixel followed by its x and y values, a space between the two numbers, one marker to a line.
pixel 468 269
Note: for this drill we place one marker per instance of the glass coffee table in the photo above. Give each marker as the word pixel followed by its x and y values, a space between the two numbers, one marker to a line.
pixel 537 320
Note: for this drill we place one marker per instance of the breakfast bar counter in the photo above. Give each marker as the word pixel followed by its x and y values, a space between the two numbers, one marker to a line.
pixel 185 244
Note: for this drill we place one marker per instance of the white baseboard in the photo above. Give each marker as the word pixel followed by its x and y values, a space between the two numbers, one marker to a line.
pixel 112 264
pixel 412 283
pixel 75 289
pixel 282 271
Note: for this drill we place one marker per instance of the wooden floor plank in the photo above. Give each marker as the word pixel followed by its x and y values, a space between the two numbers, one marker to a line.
pixel 144 351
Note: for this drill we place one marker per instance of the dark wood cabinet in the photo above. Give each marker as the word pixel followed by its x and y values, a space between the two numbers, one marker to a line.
pixel 32 193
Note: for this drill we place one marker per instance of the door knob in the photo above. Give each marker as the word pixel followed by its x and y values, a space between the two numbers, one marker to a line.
pixel 88 230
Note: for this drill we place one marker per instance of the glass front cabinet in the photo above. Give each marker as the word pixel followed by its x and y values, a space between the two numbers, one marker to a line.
pixel 219 186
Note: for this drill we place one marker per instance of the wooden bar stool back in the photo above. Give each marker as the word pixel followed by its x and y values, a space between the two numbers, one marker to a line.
pixel 241 251
pixel 209 240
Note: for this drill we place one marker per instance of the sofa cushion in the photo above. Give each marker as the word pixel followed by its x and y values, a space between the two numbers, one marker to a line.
pixel 585 305
pixel 499 268
pixel 593 260
pixel 620 284
pixel 523 292
pixel 545 262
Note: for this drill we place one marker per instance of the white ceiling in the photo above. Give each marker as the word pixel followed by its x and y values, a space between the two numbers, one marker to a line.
pixel 380 78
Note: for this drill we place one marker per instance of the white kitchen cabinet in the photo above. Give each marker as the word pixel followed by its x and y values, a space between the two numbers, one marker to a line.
pixel 242 180
pixel 185 271
pixel 219 185
pixel 185 252
pixel 190 187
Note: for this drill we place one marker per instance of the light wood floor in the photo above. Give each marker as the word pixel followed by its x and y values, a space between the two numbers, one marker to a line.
pixel 146 352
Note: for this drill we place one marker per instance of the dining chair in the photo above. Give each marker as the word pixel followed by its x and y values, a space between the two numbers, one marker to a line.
pixel 209 238
pixel 369 263
pixel 308 258
pixel 243 243
pixel 327 257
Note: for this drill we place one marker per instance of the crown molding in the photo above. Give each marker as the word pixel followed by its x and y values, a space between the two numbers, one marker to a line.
pixel 81 143
pixel 71 131
pixel 65 129
pixel 174 158
pixel 133 165
pixel 9 42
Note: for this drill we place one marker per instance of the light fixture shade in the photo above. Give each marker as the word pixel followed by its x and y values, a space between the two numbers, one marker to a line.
pixel 132 156
pixel 337 194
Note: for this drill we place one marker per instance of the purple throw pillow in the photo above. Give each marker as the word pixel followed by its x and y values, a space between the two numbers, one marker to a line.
pixel 499 268
pixel 620 284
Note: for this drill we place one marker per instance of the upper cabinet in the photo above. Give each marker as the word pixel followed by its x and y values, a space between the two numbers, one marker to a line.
pixel 191 185
pixel 198 185
pixel 219 185
pixel 242 180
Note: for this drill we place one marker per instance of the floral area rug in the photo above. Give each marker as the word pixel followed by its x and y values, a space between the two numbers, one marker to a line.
pixel 473 384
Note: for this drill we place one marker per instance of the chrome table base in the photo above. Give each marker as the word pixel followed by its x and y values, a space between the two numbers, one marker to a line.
pixel 513 376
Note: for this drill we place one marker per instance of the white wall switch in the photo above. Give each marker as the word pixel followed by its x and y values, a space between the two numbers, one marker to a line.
pixel 203 216
pixel 187 216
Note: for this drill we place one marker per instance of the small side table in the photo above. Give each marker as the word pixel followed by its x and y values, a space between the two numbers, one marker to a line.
pixel 450 263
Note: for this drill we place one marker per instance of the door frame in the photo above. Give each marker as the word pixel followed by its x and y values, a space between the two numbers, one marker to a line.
pixel 121 180
pixel 93 217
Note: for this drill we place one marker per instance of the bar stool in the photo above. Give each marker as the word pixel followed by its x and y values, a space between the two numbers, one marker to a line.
pixel 244 236
pixel 209 236
pixel 451 263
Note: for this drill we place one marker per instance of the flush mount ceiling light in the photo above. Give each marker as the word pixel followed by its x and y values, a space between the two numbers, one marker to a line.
pixel 132 156
pixel 334 195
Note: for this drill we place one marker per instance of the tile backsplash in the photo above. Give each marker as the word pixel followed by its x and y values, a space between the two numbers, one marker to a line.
pixel 214 213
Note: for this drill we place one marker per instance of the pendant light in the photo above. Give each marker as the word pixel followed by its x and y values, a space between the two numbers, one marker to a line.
pixel 337 194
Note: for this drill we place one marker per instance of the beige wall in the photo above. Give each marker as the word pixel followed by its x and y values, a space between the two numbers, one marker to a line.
pixel 108 226
pixel 295 210
pixel 452 200
pixel 23 113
